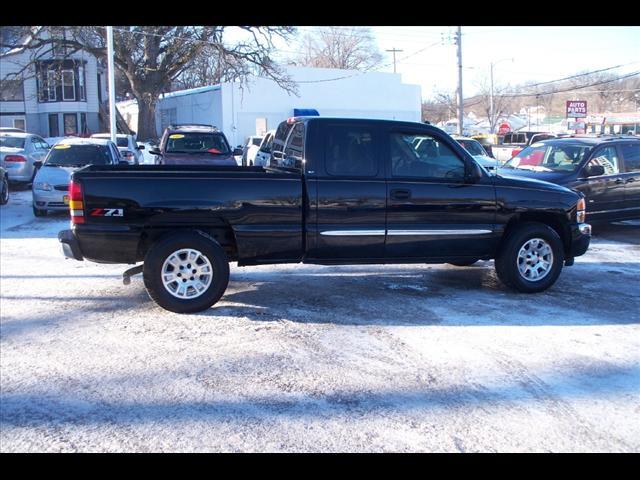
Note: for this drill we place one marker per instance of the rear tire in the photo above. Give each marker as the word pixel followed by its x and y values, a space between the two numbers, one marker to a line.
pixel 4 191
pixel 39 212
pixel 173 295
pixel 531 258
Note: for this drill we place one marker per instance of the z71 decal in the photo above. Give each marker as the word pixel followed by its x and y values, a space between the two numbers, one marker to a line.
pixel 107 212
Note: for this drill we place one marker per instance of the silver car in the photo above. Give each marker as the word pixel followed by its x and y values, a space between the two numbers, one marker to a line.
pixel 478 152
pixel 51 183
pixel 18 152
pixel 130 150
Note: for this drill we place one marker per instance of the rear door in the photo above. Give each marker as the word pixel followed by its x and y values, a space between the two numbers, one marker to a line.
pixel 604 193
pixel 631 166
pixel 347 192
pixel 432 211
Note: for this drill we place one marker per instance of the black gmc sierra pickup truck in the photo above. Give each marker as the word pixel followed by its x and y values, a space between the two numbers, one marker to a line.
pixel 337 191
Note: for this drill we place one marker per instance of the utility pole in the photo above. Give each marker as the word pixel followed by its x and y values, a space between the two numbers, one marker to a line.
pixel 460 103
pixel 394 50
pixel 112 85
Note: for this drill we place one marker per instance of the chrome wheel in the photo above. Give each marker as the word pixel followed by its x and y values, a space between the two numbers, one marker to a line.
pixel 535 259
pixel 187 273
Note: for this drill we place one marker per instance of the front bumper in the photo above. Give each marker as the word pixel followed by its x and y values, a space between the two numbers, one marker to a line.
pixel 70 245
pixel 50 200
pixel 580 239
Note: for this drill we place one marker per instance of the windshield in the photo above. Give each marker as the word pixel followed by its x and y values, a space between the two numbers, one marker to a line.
pixel 78 155
pixel 197 143
pixel 13 142
pixel 550 157
pixel 473 147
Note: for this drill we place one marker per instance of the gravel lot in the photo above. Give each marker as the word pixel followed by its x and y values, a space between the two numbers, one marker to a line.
pixel 312 358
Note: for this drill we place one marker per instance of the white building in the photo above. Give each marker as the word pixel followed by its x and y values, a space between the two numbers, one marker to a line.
pixel 55 95
pixel 240 110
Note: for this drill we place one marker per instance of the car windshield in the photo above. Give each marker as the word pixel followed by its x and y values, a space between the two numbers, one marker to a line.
pixel 13 142
pixel 550 157
pixel 214 143
pixel 473 147
pixel 78 155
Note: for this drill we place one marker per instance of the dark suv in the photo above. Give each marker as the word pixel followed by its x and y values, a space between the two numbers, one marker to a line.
pixel 605 168
pixel 194 145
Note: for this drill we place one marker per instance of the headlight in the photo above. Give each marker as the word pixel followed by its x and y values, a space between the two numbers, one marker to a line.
pixel 42 186
pixel 581 213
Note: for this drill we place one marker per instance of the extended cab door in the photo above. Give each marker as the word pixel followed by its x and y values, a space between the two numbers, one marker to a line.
pixel 347 191
pixel 631 159
pixel 434 210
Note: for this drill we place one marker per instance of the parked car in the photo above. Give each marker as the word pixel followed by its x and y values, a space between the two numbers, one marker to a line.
pixel 605 168
pixel 18 152
pixel 130 150
pixel 195 145
pixel 251 145
pixel 263 155
pixel 343 191
pixel 4 187
pixel 514 142
pixel 51 183
pixel 478 152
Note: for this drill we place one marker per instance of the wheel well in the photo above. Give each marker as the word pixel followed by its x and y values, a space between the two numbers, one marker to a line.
pixel 222 234
pixel 552 220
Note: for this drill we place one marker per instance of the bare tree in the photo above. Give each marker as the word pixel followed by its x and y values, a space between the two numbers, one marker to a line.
pixel 349 48
pixel 442 107
pixel 151 57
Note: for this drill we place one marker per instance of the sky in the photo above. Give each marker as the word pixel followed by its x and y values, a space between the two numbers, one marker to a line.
pixel 519 54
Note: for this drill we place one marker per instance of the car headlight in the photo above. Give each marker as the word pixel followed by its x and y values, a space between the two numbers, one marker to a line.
pixel 581 211
pixel 43 186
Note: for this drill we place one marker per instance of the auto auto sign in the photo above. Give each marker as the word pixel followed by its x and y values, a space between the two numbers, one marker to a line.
pixel 576 108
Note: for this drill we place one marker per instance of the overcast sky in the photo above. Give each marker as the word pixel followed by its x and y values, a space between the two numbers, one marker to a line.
pixel 539 53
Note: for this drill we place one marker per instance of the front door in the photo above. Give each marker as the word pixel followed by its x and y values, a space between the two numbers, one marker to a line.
pixel 433 211
pixel 604 193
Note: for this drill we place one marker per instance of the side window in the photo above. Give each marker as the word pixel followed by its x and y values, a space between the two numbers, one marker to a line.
pixel 350 151
pixel 280 137
pixel 294 148
pixel 608 158
pixel 427 158
pixel 631 155
pixel 115 154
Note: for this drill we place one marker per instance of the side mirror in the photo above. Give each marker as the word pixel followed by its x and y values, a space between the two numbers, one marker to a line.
pixel 140 147
pixel 155 152
pixel 237 151
pixel 474 173
pixel 37 164
pixel 594 171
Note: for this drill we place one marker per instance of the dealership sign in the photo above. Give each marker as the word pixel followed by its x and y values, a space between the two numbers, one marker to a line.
pixel 576 108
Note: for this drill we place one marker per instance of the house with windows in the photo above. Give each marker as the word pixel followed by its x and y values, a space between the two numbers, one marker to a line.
pixel 49 91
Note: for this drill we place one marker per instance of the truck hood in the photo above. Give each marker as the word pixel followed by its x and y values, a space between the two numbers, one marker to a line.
pixel 526 181
pixel 196 159
pixel 560 178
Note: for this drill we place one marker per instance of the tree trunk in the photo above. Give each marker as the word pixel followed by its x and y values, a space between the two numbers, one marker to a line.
pixel 147 117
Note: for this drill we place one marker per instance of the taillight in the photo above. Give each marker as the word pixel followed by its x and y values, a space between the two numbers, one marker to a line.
pixel 75 202
pixel 15 158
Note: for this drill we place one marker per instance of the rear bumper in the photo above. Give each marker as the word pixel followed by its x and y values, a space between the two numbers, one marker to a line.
pixel 70 245
pixel 580 239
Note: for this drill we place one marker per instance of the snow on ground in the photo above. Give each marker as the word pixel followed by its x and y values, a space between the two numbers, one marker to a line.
pixel 313 358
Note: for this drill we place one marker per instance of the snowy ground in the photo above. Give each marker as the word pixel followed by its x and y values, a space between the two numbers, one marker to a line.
pixel 311 358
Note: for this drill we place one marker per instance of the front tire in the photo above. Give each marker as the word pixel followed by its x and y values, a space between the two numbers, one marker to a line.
pixel 39 212
pixel 186 272
pixel 531 258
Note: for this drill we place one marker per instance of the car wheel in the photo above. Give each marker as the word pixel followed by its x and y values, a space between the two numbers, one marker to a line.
pixel 4 191
pixel 531 258
pixel 39 212
pixel 186 272
pixel 465 263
